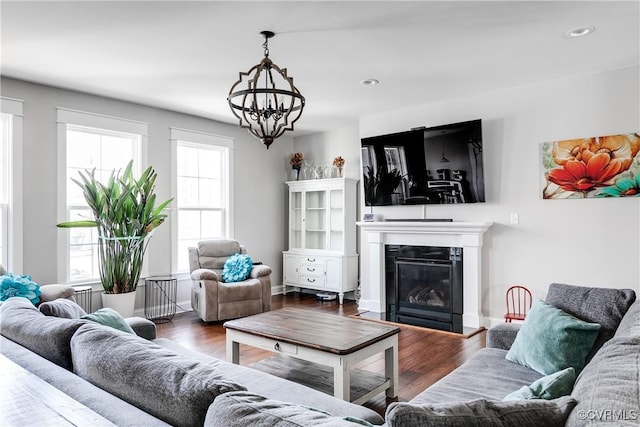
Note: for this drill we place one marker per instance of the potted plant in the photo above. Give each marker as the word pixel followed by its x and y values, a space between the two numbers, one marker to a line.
pixel 125 213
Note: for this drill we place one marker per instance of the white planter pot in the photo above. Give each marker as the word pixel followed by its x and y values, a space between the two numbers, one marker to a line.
pixel 122 303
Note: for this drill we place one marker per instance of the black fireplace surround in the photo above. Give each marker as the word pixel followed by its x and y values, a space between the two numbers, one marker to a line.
pixel 424 286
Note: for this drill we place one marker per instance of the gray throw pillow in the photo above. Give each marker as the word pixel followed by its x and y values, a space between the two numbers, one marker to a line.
pixel 46 336
pixel 603 306
pixel 482 413
pixel 172 387
pixel 62 307
pixel 240 409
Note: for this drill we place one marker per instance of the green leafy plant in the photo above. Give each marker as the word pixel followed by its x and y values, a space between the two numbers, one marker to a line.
pixel 125 213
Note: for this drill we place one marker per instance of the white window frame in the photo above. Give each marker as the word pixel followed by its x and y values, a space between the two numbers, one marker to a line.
pixel 77 119
pixel 199 139
pixel 11 209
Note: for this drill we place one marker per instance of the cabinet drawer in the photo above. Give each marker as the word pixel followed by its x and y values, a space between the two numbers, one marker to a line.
pixel 311 260
pixel 271 345
pixel 312 270
pixel 313 281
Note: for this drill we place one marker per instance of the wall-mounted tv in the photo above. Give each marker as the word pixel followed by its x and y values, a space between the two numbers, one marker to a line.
pixel 436 165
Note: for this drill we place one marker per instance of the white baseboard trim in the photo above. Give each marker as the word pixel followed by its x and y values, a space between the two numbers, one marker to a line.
pixel 277 290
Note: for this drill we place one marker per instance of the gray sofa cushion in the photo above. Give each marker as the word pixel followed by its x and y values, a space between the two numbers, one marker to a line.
pixel 174 388
pixel 502 335
pixel 595 305
pixel 630 325
pixel 608 389
pixel 49 337
pixel 143 328
pixel 487 375
pixel 213 253
pixel 110 407
pixel 240 409
pixel 482 413
pixel 280 389
pixel 62 307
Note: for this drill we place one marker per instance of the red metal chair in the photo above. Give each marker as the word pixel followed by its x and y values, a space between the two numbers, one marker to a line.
pixel 518 303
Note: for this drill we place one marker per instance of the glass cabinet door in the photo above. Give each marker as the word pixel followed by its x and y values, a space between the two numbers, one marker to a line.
pixel 315 220
pixel 336 220
pixel 295 220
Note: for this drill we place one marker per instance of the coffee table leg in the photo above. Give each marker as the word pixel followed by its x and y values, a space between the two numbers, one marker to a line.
pixel 341 381
pixel 233 351
pixel 391 367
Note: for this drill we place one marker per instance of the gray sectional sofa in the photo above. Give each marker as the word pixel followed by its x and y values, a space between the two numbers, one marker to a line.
pixel 606 392
pixel 133 381
pixel 162 383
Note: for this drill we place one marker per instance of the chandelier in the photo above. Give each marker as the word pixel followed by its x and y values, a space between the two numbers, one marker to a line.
pixel 265 100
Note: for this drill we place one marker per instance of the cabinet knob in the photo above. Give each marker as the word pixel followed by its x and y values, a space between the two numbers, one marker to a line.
pixel 311 260
pixel 311 280
pixel 311 269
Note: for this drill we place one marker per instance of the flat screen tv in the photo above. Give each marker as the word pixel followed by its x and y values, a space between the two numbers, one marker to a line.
pixel 436 165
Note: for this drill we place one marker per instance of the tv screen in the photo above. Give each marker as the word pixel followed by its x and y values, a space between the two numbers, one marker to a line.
pixel 437 165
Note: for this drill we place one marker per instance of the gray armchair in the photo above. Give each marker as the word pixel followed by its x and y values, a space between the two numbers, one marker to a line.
pixel 211 297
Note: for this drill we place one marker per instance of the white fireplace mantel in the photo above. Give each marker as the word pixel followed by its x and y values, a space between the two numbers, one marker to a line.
pixel 467 235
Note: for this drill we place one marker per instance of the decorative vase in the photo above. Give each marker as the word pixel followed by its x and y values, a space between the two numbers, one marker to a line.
pixel 296 173
pixel 339 172
pixel 122 303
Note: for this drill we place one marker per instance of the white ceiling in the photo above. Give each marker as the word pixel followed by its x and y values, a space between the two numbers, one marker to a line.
pixel 184 56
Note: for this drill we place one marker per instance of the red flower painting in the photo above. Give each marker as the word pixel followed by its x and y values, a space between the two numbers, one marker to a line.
pixel 581 167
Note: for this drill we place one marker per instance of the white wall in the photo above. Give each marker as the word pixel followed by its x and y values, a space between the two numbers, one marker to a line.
pixel 583 242
pixel 259 195
pixel 322 148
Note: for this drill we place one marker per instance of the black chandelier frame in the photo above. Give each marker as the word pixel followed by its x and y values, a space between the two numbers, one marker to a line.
pixel 264 109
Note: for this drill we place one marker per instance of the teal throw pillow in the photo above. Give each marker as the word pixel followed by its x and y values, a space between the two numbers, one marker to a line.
pixel 16 285
pixel 237 268
pixel 357 421
pixel 551 340
pixel 548 387
pixel 109 317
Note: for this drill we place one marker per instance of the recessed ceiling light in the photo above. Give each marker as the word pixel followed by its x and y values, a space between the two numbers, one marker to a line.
pixel 579 32
pixel 369 82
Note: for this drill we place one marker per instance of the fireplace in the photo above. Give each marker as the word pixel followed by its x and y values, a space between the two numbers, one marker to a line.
pixel 424 286
pixel 458 234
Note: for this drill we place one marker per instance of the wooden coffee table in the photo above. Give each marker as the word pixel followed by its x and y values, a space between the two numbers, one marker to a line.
pixel 335 341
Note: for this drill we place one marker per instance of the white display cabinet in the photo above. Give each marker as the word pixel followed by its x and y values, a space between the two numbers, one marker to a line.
pixel 322 236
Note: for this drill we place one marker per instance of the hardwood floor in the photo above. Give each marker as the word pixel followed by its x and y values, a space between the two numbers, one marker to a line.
pixel 425 355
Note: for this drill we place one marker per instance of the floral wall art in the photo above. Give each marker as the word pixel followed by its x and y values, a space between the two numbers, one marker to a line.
pixel 603 166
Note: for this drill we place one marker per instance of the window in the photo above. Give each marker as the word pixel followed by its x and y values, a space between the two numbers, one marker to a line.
pixel 11 183
pixel 5 135
pixel 103 149
pixel 202 190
